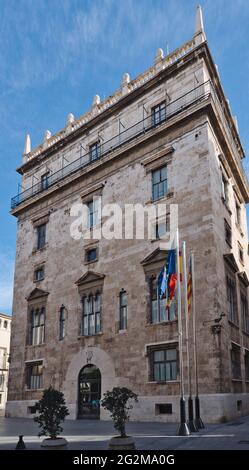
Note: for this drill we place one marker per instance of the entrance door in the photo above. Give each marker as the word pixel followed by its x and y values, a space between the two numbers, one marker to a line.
pixel 89 392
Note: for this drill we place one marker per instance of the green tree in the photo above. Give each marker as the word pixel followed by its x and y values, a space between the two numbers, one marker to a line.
pixel 119 401
pixel 52 411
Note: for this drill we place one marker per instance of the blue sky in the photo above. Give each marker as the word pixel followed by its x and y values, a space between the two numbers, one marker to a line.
pixel 55 55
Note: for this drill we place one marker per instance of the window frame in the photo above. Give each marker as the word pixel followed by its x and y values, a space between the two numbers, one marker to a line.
pixel 37 319
pixel 37 382
pixel 94 151
pixel 158 113
pixel 123 311
pixel 165 348
pixel 235 354
pixel 39 269
pixel 156 184
pixel 91 317
pixel 41 231
pixel 62 322
pixel 163 315
pixel 232 302
pixel 244 311
pixel 89 250
pixel 44 181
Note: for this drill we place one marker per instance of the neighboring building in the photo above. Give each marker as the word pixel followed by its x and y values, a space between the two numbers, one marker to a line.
pixel 85 314
pixel 5 327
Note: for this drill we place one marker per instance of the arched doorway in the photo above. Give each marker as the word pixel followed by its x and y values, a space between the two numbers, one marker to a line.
pixel 89 392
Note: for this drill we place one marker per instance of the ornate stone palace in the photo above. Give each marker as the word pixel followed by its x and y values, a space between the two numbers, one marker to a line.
pixel 85 314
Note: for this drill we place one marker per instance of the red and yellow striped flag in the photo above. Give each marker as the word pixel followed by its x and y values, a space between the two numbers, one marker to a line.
pixel 190 287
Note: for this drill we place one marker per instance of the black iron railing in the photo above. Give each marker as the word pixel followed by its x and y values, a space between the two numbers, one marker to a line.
pixel 199 93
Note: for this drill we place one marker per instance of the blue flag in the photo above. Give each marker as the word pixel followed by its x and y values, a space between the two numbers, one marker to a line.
pixel 168 269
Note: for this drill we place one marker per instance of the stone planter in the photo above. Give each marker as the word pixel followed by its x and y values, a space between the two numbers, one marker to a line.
pixel 54 444
pixel 121 443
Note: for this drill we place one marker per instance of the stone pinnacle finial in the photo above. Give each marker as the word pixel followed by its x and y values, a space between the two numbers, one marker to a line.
pixel 70 119
pixel 27 145
pixel 199 27
pixel 96 100
pixel 47 135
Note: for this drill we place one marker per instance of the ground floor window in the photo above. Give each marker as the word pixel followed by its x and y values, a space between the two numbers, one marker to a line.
pixel 247 365
pixel 235 362
pixel 34 375
pixel 163 364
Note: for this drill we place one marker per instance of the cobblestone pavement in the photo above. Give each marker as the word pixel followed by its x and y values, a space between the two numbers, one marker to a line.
pixel 91 435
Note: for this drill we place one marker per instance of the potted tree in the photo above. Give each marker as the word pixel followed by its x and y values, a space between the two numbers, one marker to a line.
pixel 118 402
pixel 52 411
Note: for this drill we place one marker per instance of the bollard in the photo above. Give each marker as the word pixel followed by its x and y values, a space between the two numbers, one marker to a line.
pixel 20 445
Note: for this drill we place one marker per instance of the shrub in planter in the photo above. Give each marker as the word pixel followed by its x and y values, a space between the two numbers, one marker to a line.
pixel 52 411
pixel 118 402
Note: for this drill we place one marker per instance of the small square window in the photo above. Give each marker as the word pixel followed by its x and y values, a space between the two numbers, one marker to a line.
pixel 91 255
pixel 163 409
pixel 39 274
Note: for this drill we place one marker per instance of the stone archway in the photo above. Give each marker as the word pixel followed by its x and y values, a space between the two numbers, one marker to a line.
pixel 89 387
pixel 91 355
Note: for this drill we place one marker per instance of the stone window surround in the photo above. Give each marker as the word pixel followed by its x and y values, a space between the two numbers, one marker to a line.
pixel 37 222
pixel 150 347
pixel 88 248
pixel 28 363
pixel 36 267
pixel 236 346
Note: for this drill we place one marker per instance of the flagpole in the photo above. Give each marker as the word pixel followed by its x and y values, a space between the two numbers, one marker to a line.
pixel 198 421
pixel 183 429
pixel 191 424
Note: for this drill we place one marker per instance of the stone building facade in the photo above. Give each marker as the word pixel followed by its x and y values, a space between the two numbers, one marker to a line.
pixel 83 313
pixel 5 328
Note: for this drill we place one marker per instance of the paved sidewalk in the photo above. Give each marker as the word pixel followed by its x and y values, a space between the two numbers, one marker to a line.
pixel 91 435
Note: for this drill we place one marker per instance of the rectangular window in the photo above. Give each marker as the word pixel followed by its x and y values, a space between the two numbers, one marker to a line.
pixel 41 236
pixel 159 310
pixel 44 181
pixel 164 365
pixel 247 365
pixel 123 310
pixel 91 315
pixel 241 253
pixel 39 274
pixel 159 183
pixel 224 189
pixel 62 323
pixel 228 234
pixel 91 255
pixel 2 381
pixel 232 300
pixel 34 376
pixel 162 227
pixel 235 362
pixel 37 326
pixel 3 358
pixel 158 113
pixel 238 213
pixel 244 312
pixel 94 151
pixel 92 213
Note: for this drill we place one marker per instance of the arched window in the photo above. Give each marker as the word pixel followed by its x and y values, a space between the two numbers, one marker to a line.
pixel 37 322
pixel 62 322
pixel 5 324
pixel 91 311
